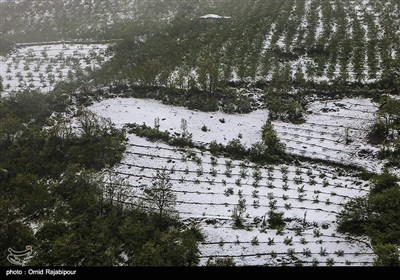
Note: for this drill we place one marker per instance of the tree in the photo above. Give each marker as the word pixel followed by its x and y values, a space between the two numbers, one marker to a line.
pixel 389 112
pixel 5 45
pixel 354 216
pixel 384 181
pixel 172 248
pixel 378 133
pixel 238 213
pixel 208 75
pixel 160 195
pixel 184 127
pixel 274 148
pixel 9 128
pixel 376 216
pixel 387 255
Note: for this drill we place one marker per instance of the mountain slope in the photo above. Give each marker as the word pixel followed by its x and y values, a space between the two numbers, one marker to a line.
pixel 297 42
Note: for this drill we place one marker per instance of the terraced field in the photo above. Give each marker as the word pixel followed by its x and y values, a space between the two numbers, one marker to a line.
pixel 324 59
pixel 40 67
pixel 313 41
pixel 208 189
pixel 334 131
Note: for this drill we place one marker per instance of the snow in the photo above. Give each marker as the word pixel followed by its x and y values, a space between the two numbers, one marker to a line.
pixel 201 197
pixel 213 16
pixel 323 135
pixel 320 24
pixel 132 110
pixel 40 67
pixel 207 189
pixel 268 38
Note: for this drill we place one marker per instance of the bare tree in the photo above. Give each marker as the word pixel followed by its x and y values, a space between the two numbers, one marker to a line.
pixel 115 190
pixel 160 195
pixel 90 124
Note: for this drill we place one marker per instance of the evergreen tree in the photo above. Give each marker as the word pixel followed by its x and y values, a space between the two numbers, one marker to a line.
pixel 160 196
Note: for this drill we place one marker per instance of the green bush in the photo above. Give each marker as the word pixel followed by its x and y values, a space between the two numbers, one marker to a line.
pixel 203 103
pixel 151 134
pixel 215 148
pixel 235 149
pixel 275 220
pixel 378 133
pixel 376 215
pixel 354 217
pixel 384 181
pixel 387 255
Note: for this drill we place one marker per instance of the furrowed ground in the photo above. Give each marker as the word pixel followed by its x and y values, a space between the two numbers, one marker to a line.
pixel 316 70
pixel 208 188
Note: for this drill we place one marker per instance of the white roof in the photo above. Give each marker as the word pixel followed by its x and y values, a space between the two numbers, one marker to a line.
pixel 213 16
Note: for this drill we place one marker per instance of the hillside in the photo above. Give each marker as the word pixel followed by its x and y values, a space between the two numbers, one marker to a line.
pixel 200 132
pixel 314 44
pixel 48 20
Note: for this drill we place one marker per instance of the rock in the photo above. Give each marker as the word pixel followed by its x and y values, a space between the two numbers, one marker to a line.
pixel 340 105
pixel 364 153
pixel 327 110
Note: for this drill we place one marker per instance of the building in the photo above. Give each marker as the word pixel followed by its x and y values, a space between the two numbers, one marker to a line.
pixel 212 18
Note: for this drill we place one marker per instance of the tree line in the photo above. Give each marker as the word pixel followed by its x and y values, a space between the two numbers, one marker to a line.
pixel 54 197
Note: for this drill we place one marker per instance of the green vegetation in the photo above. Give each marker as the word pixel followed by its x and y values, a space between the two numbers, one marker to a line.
pixel 270 54
pixel 377 216
pixel 215 58
pixel 53 198
pixel 5 45
pixel 271 150
pixel 159 196
pixel 385 130
pixel 276 220
pixel 89 19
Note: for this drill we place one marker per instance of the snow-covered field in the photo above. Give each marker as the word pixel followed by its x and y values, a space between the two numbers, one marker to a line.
pixel 335 131
pixel 221 127
pixel 208 189
pixel 41 67
pixel 309 196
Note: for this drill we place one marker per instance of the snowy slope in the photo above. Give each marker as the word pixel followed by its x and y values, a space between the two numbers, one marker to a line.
pixel 208 189
pixel 41 67
pixel 335 131
pixel 132 110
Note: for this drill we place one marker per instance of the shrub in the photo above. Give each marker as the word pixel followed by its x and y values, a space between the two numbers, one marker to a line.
pixel 181 142
pixel 384 181
pixel 220 262
pixel 228 192
pixel 215 148
pixel 387 255
pixel 255 241
pixel 203 103
pixel 235 149
pixel 238 214
pixel 275 219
